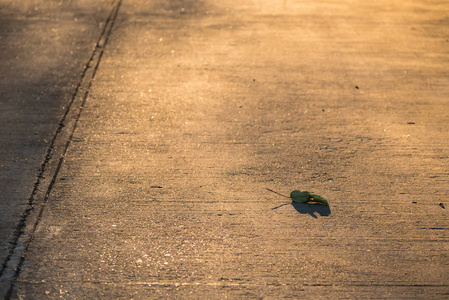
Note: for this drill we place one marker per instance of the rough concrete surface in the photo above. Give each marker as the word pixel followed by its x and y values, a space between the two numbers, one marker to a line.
pixel 44 46
pixel 194 109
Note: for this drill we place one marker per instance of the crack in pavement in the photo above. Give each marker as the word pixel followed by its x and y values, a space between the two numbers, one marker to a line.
pixel 10 269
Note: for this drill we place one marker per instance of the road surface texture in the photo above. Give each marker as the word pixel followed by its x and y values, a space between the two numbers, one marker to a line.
pixel 44 46
pixel 189 111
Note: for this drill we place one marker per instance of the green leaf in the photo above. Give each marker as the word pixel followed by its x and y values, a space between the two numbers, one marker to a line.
pixel 298 196
pixel 319 199
pixel 303 197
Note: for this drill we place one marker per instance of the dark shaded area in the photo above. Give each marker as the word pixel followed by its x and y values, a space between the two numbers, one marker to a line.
pixel 311 209
pixel 44 47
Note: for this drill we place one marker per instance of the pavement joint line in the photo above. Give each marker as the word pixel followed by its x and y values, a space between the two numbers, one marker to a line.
pixel 57 149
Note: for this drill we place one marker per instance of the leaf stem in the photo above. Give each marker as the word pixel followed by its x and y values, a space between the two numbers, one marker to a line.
pixel 278 193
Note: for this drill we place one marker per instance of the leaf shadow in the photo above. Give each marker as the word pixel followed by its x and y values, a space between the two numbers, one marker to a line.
pixel 312 209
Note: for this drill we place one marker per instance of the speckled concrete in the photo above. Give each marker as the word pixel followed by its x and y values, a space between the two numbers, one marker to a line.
pixel 197 108
pixel 44 46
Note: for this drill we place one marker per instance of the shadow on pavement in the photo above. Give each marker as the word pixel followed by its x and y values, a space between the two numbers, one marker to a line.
pixel 310 209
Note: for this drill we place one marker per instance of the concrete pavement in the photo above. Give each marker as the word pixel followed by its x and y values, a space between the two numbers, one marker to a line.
pixel 192 109
pixel 44 47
